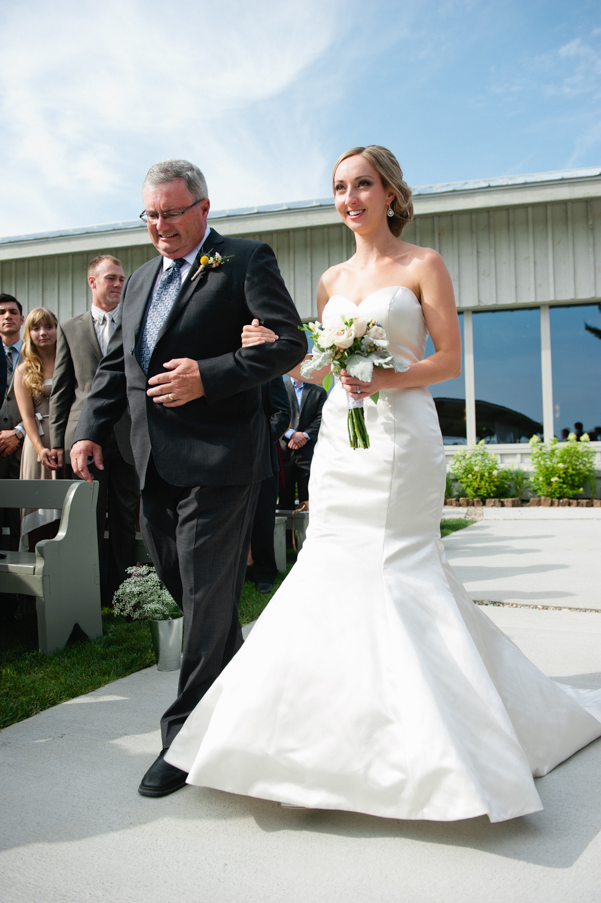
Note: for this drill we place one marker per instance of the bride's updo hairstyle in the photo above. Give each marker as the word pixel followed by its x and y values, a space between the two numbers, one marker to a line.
pixel 387 166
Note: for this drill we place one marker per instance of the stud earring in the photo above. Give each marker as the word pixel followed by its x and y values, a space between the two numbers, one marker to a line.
pixel 390 211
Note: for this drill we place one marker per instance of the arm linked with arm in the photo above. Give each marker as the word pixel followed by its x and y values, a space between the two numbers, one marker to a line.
pixel 267 299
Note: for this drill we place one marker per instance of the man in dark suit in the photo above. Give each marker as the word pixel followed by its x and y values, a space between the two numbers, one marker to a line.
pixel 277 410
pixel 81 345
pixel 298 444
pixel 199 434
pixel 12 431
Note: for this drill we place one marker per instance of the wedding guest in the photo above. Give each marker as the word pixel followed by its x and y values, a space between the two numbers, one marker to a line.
pixel 33 384
pixel 277 410
pixel 578 429
pixel 81 344
pixel 12 431
pixel 298 444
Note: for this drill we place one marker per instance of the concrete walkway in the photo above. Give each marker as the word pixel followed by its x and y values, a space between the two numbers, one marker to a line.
pixel 530 562
pixel 73 827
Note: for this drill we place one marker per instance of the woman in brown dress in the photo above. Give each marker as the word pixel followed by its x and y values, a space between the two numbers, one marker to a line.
pixel 33 385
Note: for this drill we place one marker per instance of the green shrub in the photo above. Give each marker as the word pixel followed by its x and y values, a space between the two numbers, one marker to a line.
pixel 561 469
pixel 480 473
pixel 521 482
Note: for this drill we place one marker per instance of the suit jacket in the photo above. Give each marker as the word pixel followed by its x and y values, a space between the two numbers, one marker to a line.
pixel 307 420
pixel 78 355
pixel 3 371
pixel 221 438
pixel 277 410
pixel 10 415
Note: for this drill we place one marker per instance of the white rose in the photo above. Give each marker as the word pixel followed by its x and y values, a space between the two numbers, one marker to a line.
pixel 360 326
pixel 376 332
pixel 327 336
pixel 344 336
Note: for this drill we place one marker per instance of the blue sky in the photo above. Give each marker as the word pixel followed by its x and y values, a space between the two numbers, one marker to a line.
pixel 265 95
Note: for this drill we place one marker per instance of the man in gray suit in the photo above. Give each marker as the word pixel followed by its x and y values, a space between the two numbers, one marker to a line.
pixel 12 431
pixel 81 345
pixel 200 436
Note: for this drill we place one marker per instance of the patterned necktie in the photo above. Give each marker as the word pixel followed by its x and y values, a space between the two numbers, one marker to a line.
pixel 9 350
pixel 160 306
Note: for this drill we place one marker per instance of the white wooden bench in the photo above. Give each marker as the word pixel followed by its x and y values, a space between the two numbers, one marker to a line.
pixel 63 572
pixel 295 520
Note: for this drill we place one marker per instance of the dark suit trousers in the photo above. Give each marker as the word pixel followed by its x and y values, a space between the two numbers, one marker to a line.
pixel 10 517
pixel 261 541
pixel 118 487
pixel 297 469
pixel 198 540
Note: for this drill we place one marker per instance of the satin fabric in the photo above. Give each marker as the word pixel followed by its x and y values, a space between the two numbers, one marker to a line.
pixel 372 682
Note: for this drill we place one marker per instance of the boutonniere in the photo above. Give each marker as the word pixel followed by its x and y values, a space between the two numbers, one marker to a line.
pixel 210 263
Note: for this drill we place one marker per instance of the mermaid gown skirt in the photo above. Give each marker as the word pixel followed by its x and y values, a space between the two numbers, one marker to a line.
pixel 371 682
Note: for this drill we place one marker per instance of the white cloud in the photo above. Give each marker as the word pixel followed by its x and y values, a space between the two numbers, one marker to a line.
pixel 91 95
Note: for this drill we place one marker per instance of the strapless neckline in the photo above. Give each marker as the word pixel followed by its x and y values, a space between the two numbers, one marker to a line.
pixel 371 295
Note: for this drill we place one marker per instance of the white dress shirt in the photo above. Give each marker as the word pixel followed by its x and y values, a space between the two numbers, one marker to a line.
pixel 185 269
pixel 104 325
pixel 298 391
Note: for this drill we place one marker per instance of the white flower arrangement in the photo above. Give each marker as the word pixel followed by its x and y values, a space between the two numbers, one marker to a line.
pixel 142 596
pixel 357 346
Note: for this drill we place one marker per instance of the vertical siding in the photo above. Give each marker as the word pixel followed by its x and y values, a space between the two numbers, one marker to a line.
pixel 540 254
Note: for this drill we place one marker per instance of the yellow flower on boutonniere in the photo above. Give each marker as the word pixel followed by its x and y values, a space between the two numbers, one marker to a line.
pixel 210 263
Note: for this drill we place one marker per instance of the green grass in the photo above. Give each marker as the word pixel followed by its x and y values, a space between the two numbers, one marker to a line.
pixel 31 682
pixel 450 524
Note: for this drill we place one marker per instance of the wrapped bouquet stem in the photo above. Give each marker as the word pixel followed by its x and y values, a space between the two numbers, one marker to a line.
pixel 357 346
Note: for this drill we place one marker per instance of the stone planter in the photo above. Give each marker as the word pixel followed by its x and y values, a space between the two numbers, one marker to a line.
pixel 167 643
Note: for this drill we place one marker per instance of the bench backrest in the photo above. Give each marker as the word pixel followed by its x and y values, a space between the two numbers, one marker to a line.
pixel 36 493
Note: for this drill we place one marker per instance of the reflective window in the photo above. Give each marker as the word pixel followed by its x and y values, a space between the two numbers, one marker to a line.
pixel 576 361
pixel 449 398
pixel 507 371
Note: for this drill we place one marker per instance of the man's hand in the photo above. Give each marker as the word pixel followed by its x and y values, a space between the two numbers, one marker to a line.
pixel 297 440
pixel 179 386
pixel 80 453
pixel 9 443
pixel 56 458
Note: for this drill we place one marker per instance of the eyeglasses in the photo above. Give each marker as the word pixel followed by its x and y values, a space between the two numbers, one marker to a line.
pixel 167 217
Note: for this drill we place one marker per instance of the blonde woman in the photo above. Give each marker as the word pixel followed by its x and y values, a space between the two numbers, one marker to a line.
pixel 33 384
pixel 372 682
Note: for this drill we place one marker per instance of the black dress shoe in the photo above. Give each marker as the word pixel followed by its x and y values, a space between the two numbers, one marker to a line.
pixel 162 778
pixel 264 587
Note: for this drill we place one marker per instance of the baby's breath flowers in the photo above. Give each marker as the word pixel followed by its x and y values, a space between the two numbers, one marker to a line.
pixel 142 596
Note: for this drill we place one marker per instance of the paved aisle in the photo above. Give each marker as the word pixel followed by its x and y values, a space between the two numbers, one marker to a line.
pixel 533 562
pixel 73 827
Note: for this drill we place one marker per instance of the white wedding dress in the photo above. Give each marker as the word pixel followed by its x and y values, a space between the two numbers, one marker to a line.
pixel 372 682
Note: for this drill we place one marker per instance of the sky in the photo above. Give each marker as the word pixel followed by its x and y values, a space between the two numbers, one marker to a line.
pixel 264 95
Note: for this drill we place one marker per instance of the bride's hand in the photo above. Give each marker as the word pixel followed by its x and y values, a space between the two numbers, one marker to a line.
pixel 382 379
pixel 255 334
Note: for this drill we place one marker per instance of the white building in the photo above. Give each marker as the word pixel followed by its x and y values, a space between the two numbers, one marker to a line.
pixel 524 254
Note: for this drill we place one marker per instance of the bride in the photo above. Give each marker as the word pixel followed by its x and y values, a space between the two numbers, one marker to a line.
pixel 372 682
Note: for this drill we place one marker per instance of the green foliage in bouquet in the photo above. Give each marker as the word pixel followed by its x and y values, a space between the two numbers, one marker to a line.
pixel 480 474
pixel 562 469
pixel 142 596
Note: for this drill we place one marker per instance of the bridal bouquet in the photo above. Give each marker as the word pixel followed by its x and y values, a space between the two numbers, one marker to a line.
pixel 357 346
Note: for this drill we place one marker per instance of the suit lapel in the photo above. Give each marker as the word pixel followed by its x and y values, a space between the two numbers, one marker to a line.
pixel 303 400
pixel 213 243
pixel 87 321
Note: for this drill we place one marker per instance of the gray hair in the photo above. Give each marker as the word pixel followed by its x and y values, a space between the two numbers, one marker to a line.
pixel 168 170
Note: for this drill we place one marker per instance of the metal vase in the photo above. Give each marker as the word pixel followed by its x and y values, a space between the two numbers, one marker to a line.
pixel 167 643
